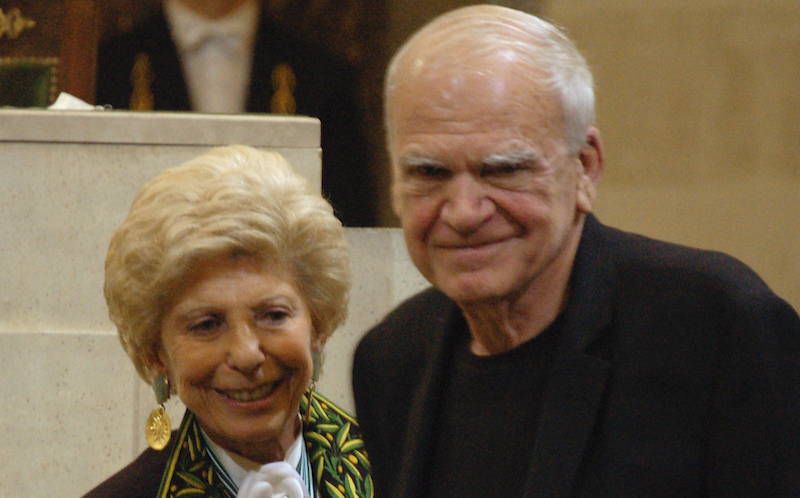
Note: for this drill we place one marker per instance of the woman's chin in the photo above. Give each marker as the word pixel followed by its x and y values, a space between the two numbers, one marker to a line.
pixel 240 420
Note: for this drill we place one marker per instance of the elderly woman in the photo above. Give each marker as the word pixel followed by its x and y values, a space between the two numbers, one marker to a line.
pixel 224 282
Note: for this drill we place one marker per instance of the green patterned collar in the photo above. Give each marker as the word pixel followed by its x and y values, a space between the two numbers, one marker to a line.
pixel 338 462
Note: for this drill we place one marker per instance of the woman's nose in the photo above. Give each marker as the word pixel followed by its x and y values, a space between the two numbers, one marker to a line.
pixel 245 354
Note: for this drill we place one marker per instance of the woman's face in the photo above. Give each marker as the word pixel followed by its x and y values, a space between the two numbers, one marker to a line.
pixel 236 344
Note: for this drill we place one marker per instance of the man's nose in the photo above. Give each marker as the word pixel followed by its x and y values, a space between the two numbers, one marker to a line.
pixel 245 353
pixel 466 205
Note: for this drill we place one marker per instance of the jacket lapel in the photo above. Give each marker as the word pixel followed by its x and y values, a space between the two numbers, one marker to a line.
pixel 577 379
pixel 425 408
pixel 269 48
pixel 169 86
pixel 570 408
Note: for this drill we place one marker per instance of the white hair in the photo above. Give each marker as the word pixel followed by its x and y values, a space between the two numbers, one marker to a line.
pixel 479 33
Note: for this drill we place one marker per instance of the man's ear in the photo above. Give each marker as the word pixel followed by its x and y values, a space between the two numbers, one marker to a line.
pixel 591 159
pixel 396 197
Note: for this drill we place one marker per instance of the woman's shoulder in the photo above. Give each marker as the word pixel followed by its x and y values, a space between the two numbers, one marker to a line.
pixel 325 410
pixel 336 449
pixel 327 424
pixel 140 478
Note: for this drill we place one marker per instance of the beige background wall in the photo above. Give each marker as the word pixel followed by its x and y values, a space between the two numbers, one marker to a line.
pixel 700 113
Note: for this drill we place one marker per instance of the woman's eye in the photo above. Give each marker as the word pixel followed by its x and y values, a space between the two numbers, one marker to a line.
pixel 273 317
pixel 206 325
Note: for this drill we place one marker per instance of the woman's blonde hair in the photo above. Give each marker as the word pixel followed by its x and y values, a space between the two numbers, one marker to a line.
pixel 232 201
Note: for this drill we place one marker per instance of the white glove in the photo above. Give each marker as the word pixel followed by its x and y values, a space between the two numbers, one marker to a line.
pixel 273 480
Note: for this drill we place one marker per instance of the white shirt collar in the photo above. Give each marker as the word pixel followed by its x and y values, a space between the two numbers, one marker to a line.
pixel 237 470
pixel 190 30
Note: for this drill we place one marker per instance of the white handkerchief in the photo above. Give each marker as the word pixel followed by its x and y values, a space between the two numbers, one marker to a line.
pixel 273 480
pixel 67 101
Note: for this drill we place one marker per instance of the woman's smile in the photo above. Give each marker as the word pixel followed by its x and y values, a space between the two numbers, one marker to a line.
pixel 247 395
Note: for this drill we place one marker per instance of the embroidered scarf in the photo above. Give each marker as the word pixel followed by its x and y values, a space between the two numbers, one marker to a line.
pixel 333 444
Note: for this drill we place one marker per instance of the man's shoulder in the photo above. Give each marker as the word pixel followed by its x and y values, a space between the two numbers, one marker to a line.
pixel 147 32
pixel 307 53
pixel 407 331
pixel 639 259
pixel 117 55
pixel 429 301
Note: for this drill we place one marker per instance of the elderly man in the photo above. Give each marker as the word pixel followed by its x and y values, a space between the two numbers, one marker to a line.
pixel 555 356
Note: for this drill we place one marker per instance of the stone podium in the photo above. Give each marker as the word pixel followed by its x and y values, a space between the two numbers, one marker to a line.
pixel 73 409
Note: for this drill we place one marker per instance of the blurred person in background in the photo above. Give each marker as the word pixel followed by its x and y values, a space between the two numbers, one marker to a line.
pixel 230 56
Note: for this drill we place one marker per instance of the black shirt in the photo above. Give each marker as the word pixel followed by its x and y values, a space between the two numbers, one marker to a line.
pixel 489 417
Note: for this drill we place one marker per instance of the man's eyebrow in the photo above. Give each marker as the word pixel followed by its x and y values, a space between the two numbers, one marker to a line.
pixel 513 157
pixel 415 160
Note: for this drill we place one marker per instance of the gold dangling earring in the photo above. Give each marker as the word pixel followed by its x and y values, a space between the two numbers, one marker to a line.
pixel 158 429
pixel 316 358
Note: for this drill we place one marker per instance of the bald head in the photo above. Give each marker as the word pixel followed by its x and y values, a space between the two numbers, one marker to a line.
pixel 493 42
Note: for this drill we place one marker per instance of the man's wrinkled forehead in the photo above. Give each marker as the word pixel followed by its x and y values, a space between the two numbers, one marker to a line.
pixel 449 93
pixel 450 71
